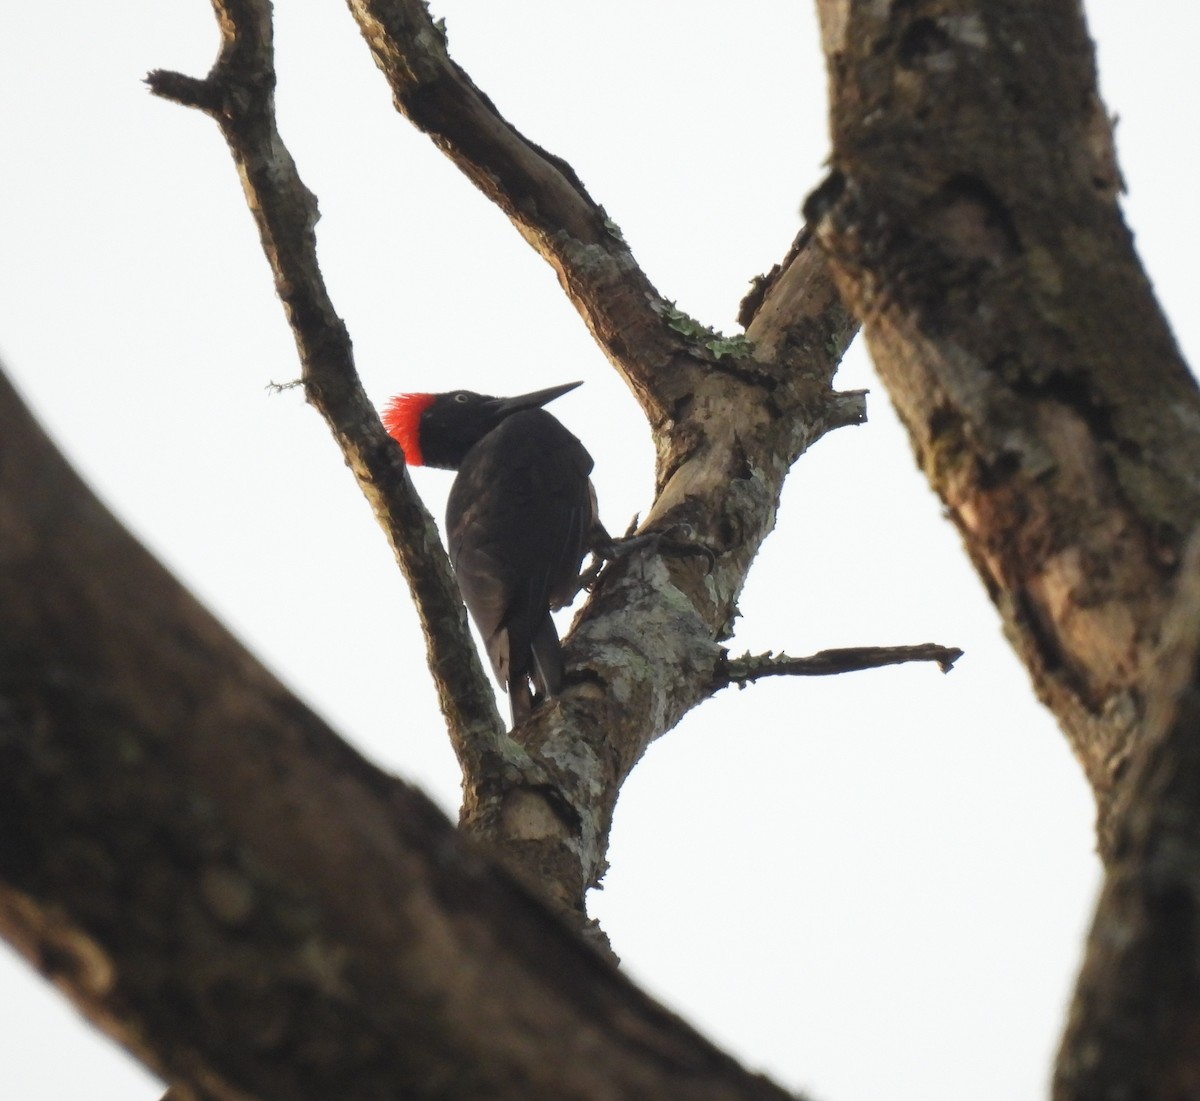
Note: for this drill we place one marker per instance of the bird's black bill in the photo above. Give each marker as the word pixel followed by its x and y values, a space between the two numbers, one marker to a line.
pixel 505 406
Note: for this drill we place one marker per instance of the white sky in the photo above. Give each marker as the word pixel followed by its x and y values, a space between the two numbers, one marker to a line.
pixel 868 886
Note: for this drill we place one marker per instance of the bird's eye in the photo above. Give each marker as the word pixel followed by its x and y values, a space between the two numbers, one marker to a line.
pixel 461 398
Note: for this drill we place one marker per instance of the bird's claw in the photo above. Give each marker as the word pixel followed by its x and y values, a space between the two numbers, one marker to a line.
pixel 686 545
pixel 677 541
pixel 591 576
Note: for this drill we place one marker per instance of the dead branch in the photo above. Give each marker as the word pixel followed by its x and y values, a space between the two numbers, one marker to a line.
pixel 749 668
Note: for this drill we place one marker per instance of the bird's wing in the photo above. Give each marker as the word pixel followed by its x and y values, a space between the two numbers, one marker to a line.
pixel 518 518
pixel 483 579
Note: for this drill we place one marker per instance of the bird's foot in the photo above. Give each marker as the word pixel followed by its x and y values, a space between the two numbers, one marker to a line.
pixel 677 541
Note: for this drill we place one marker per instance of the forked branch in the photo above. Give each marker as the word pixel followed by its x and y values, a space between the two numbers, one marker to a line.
pixel 729 417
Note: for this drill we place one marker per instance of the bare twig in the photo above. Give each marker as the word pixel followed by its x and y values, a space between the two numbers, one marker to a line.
pixel 188 91
pixel 239 95
pixel 749 668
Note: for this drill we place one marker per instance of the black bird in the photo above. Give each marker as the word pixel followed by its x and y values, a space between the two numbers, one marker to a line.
pixel 520 517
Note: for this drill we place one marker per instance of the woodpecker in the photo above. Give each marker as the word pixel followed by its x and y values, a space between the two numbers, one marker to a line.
pixel 520 517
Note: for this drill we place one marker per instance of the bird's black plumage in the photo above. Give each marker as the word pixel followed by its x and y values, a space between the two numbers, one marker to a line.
pixel 520 517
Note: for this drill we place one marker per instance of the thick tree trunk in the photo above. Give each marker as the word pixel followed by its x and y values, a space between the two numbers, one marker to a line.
pixel 972 222
pixel 232 892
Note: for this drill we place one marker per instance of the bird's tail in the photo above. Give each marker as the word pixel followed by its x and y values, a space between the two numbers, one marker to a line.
pixel 547 665
pixel 545 670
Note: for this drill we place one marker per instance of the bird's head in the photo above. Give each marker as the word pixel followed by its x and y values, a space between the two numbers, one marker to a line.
pixel 439 429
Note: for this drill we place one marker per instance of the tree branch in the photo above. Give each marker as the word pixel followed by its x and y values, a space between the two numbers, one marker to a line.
pixel 749 668
pixel 541 195
pixel 662 354
pixel 239 94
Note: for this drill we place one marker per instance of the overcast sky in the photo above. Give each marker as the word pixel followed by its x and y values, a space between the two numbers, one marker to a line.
pixel 868 886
